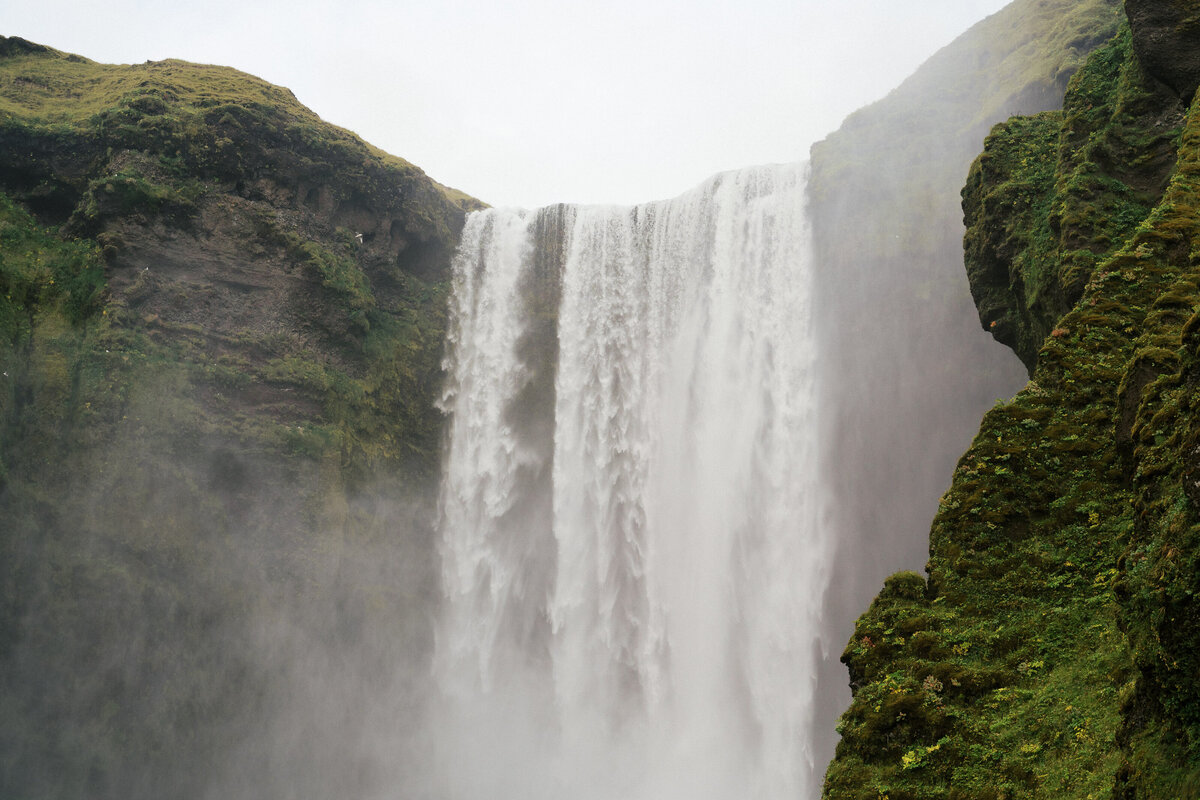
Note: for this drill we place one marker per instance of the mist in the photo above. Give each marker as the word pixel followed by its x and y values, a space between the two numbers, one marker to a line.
pixel 185 623
pixel 632 585
pixel 902 373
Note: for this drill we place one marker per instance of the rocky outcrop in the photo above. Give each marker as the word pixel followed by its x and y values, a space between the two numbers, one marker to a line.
pixel 1051 650
pixel 221 327
pixel 887 227
pixel 1042 209
pixel 1166 36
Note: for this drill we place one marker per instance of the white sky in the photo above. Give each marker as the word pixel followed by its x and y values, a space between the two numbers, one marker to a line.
pixel 530 102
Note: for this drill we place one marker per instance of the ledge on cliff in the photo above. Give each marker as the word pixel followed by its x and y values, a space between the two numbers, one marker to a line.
pixel 1052 196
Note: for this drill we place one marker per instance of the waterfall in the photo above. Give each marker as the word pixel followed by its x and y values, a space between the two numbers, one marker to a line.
pixel 632 560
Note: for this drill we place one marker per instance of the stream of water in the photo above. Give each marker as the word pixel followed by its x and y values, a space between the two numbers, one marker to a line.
pixel 632 562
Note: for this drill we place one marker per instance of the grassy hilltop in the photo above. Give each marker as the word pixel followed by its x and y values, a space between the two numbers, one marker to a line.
pixel 221 326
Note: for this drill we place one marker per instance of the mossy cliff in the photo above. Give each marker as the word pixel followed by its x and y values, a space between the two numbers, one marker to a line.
pixel 905 368
pixel 909 369
pixel 1053 651
pixel 1070 186
pixel 221 325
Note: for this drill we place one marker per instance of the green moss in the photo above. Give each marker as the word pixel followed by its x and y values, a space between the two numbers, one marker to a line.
pixel 1052 197
pixel 1159 570
pixel 37 269
pixel 214 397
pixel 169 105
pixel 1059 618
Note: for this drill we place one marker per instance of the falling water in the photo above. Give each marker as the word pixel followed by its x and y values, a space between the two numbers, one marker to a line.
pixel 632 563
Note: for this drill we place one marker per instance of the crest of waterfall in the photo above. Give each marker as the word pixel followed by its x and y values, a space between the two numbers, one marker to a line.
pixel 632 561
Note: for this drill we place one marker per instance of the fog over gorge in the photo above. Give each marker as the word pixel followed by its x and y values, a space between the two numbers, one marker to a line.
pixel 321 479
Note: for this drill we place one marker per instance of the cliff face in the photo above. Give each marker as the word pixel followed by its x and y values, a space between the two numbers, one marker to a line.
pixel 905 368
pixel 1043 210
pixel 1053 650
pixel 221 324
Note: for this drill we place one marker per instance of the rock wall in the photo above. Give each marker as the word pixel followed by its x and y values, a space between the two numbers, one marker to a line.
pixel 906 371
pixel 221 327
pixel 1050 651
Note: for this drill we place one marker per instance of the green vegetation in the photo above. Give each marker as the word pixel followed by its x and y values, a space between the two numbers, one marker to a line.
pixel 914 372
pixel 186 146
pixel 221 325
pixel 1053 650
pixel 204 121
pixel 1069 201
pixel 39 269
pixel 1159 569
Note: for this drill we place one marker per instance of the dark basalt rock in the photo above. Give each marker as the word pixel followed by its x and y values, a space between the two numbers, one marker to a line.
pixel 1166 38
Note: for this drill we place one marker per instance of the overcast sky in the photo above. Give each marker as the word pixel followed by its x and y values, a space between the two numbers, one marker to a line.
pixel 530 102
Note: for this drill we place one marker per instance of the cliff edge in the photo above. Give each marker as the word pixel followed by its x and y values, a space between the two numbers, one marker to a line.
pixel 1052 650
